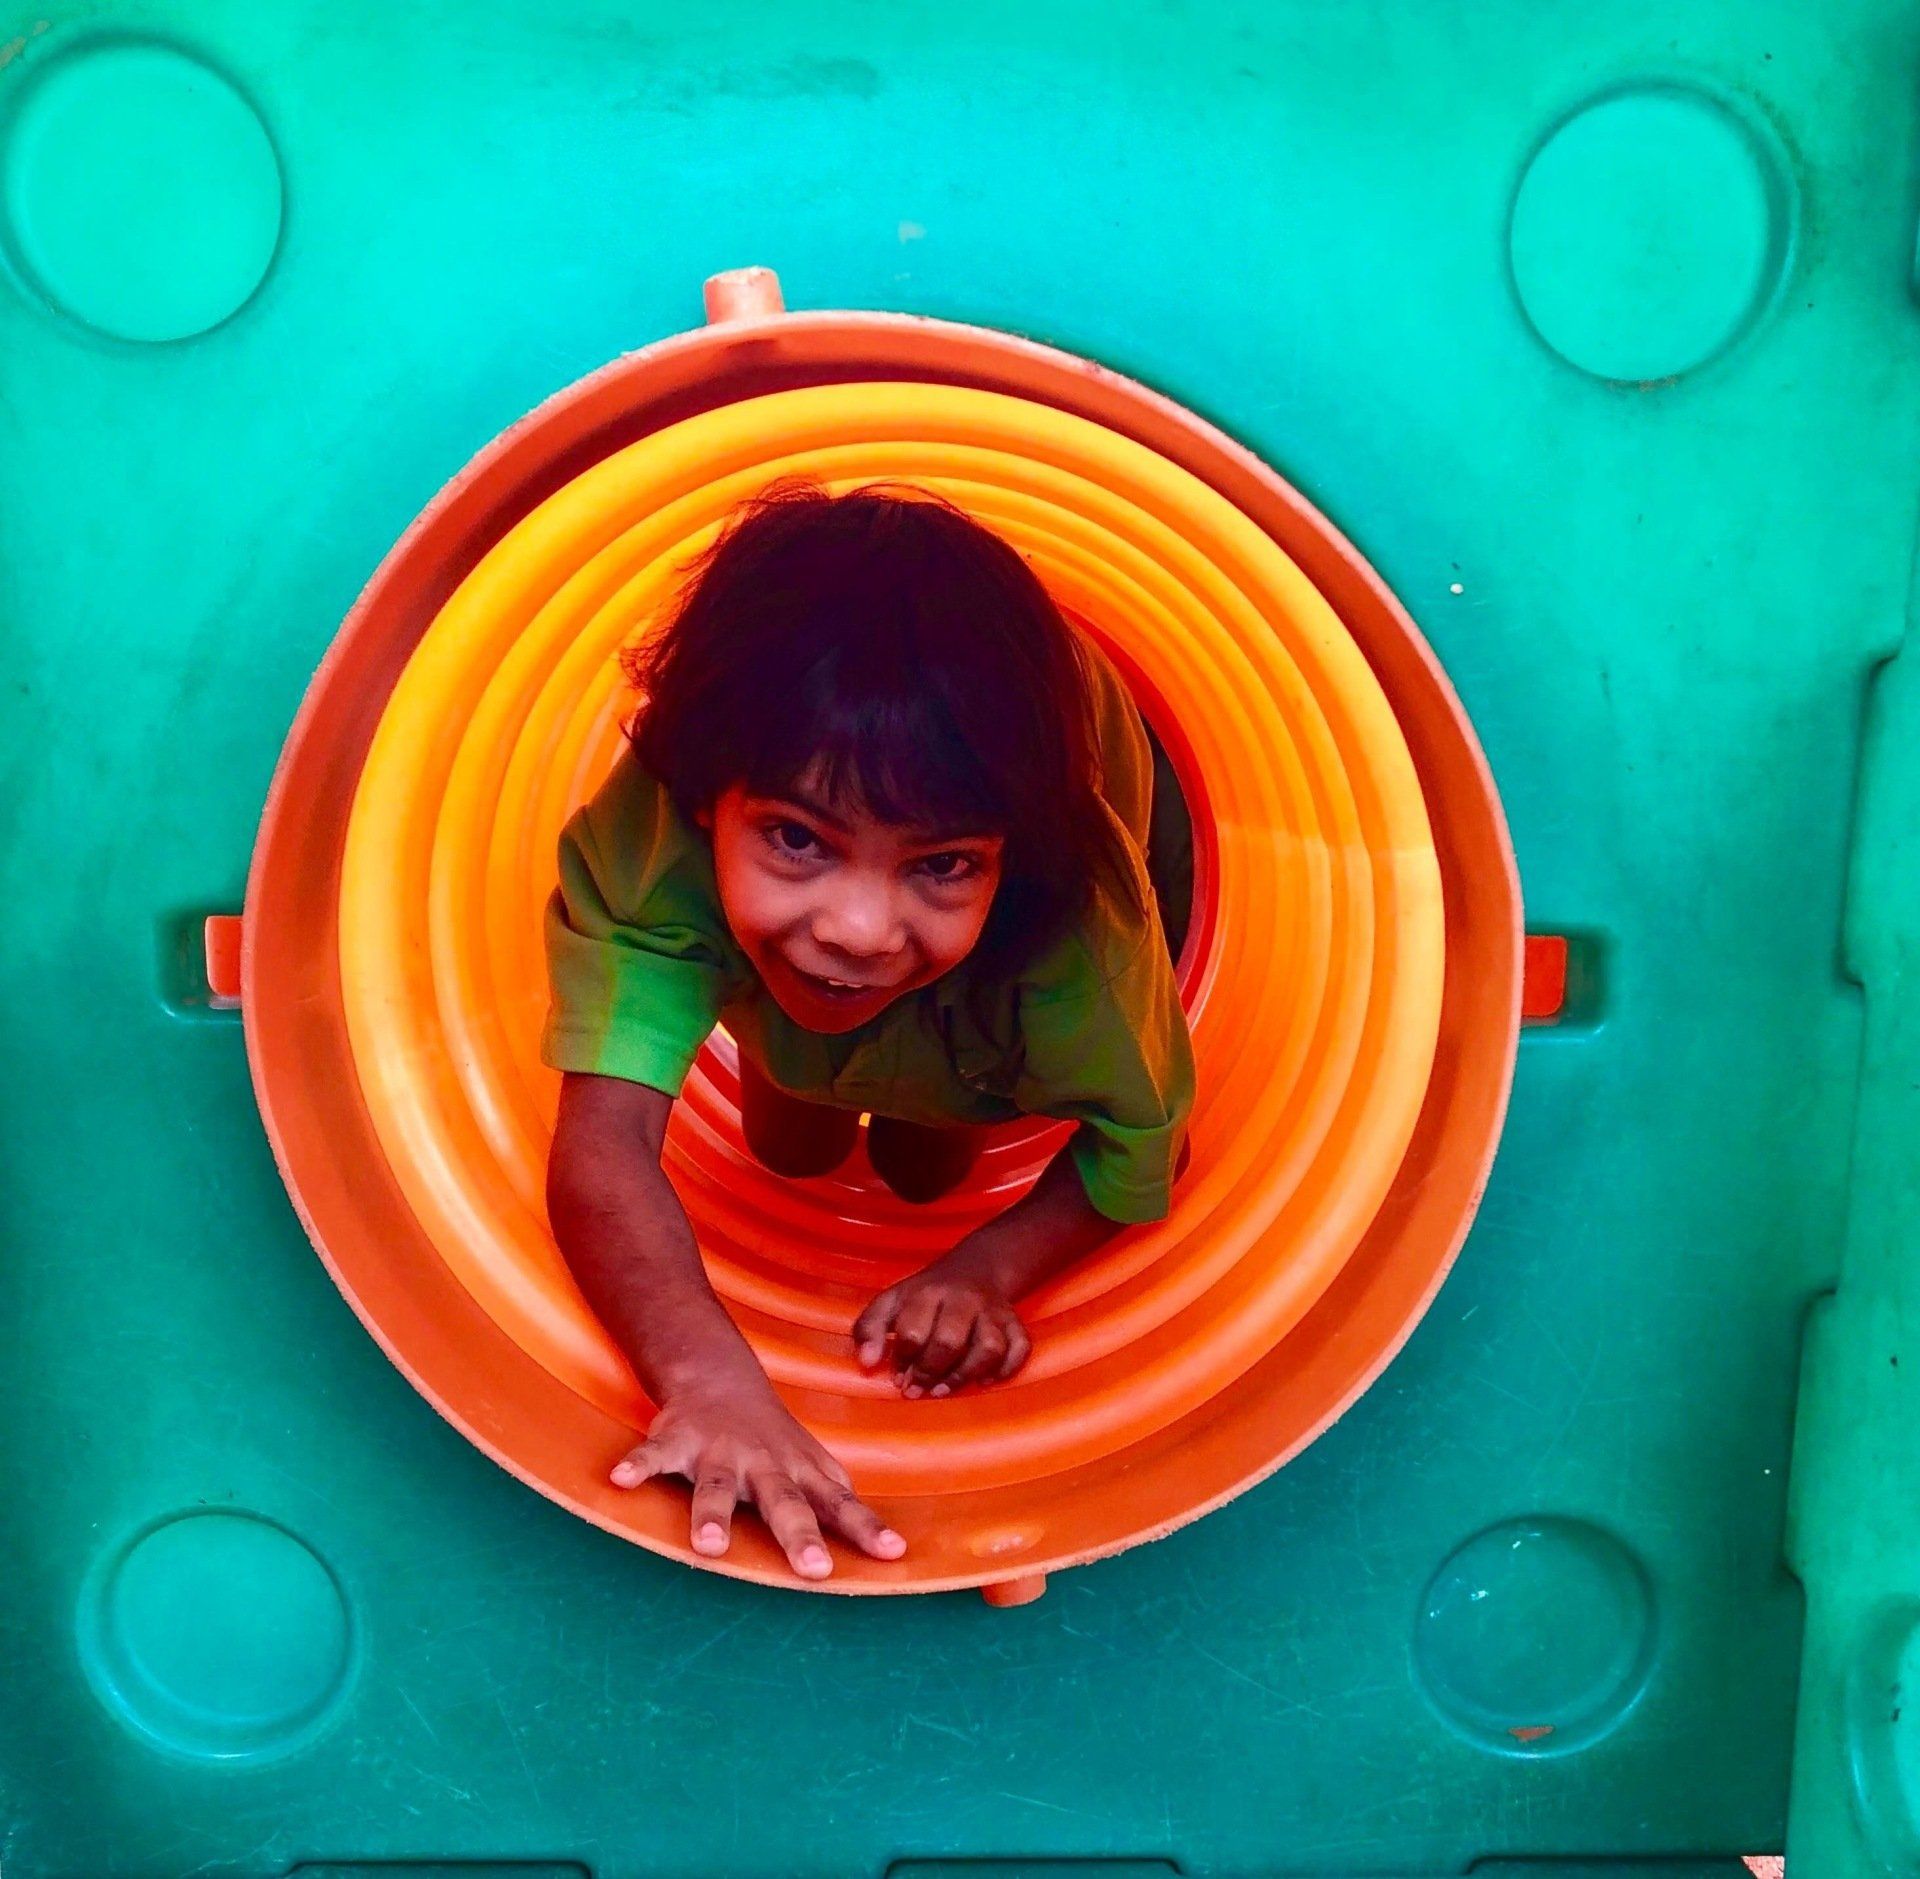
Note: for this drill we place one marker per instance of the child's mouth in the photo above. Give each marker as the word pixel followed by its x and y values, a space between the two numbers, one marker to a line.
pixel 834 991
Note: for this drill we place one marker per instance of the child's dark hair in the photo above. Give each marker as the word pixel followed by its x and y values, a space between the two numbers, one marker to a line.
pixel 915 657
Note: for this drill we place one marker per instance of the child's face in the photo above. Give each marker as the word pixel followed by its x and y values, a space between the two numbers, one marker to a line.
pixel 841 913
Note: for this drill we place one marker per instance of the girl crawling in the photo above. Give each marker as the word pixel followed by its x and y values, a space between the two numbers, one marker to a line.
pixel 887 815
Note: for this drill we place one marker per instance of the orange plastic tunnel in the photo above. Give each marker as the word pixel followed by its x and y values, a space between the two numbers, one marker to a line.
pixel 1352 973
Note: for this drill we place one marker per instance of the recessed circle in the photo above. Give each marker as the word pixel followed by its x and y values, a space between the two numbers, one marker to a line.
pixel 1536 1636
pixel 139 192
pixel 1648 230
pixel 217 1635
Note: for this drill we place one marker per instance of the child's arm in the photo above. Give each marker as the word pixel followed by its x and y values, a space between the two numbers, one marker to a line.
pixel 631 1249
pixel 954 1323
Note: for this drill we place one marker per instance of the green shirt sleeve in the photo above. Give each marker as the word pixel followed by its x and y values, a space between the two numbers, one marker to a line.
pixel 1105 1044
pixel 639 959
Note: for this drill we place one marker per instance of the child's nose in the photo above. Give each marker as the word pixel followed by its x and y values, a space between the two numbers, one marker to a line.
pixel 861 922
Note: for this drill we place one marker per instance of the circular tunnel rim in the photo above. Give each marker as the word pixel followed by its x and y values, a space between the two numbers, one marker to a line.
pixel 693 371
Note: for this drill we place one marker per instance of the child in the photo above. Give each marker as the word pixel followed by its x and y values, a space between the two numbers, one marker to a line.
pixel 885 814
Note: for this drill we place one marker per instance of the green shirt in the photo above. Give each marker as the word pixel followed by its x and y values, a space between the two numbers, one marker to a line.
pixel 642 966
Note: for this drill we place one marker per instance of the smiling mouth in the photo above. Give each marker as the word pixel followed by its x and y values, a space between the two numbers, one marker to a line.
pixel 836 990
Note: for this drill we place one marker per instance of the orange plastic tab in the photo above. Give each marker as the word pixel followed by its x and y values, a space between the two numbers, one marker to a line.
pixel 1543 983
pixel 1007 1593
pixel 743 293
pixel 223 936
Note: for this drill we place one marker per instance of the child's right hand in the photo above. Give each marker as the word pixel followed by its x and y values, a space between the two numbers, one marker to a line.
pixel 746 1447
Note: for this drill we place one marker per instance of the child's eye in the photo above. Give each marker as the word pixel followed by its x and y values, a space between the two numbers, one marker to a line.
pixel 792 839
pixel 950 865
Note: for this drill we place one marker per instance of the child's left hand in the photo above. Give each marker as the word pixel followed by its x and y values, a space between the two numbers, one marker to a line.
pixel 950 1326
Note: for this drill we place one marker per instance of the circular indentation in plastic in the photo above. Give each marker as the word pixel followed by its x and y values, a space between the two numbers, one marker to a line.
pixel 139 192
pixel 1883 1733
pixel 1648 230
pixel 217 1635
pixel 1536 1636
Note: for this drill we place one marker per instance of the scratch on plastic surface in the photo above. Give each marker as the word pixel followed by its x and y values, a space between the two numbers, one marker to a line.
pixel 941 1728
pixel 513 1738
pixel 705 1645
pixel 808 1620
pixel 1512 1396
pixel 303 1482
pixel 1289 1706
pixel 519 1749
pixel 1052 1807
pixel 1572 1415
pixel 432 1732
pixel 232 1859
pixel 1546 1331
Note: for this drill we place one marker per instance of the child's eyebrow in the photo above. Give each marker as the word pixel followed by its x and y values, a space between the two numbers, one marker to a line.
pixel 800 799
pixel 953 838
pixel 933 840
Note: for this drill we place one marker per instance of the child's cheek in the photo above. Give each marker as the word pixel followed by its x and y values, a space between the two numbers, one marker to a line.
pixel 751 898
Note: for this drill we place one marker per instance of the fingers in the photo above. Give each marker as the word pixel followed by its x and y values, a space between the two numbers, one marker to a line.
pixel 788 1512
pixel 846 1514
pixel 997 1349
pixel 640 1464
pixel 945 1335
pixel 986 1351
pixel 913 1324
pixel 943 1346
pixel 1019 1349
pixel 766 1458
pixel 715 1495
pixel 871 1327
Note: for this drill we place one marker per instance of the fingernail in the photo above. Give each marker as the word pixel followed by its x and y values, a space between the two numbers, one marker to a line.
pixel 869 1355
pixel 710 1540
pixel 623 1476
pixel 815 1560
pixel 891 1543
pixel 913 1389
pixel 941 1389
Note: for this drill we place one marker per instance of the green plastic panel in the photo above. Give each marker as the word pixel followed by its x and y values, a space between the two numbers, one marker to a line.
pixel 1856 1502
pixel 1593 327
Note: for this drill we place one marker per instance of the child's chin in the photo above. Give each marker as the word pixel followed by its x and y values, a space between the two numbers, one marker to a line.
pixel 828 1016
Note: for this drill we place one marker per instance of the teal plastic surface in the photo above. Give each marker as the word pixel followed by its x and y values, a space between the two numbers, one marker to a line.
pixel 276 270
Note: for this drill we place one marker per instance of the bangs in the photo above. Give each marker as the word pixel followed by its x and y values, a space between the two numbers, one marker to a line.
pixel 898 754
